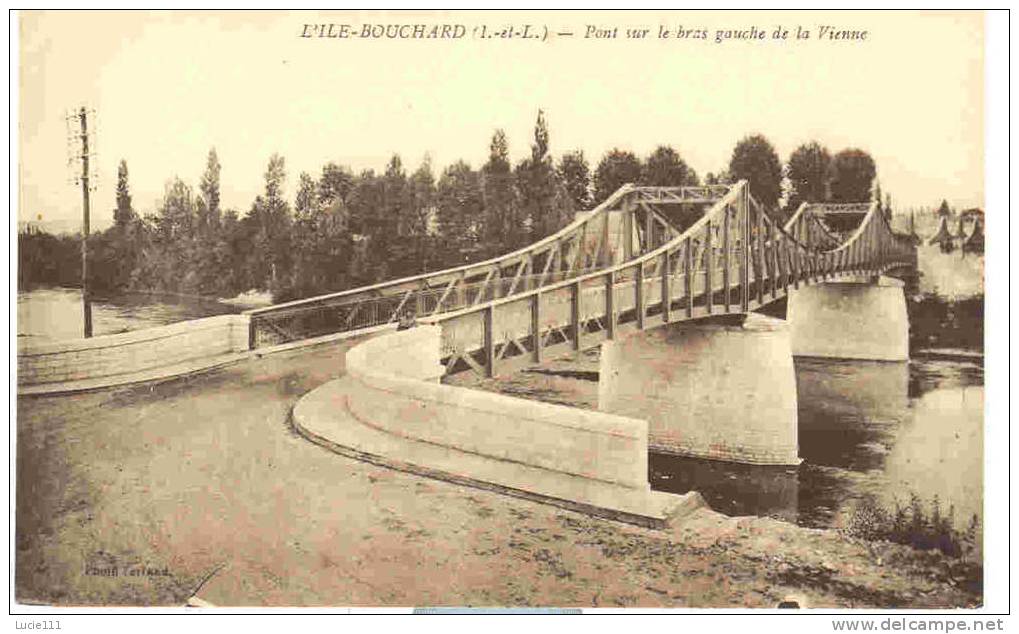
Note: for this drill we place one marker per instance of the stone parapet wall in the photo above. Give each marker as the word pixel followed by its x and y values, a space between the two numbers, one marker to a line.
pixel 131 352
pixel 398 393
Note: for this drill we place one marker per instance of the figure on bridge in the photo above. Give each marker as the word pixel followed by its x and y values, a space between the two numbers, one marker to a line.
pixel 407 319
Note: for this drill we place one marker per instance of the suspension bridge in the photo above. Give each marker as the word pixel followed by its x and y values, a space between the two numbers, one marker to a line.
pixel 669 282
pixel 645 257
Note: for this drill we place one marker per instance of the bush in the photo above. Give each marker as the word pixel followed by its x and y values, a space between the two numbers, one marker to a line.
pixel 914 525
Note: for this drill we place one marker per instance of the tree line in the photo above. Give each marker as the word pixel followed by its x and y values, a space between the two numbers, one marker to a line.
pixel 344 230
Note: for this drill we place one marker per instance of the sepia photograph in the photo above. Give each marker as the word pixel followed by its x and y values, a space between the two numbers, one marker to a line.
pixel 523 311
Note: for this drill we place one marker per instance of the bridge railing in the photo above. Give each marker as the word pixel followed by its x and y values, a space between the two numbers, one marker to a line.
pixel 623 225
pixel 733 260
pixel 806 227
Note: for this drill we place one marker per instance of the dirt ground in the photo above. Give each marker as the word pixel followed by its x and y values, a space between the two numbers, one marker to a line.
pixel 200 485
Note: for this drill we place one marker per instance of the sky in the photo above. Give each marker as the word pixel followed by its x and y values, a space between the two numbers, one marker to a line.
pixel 168 86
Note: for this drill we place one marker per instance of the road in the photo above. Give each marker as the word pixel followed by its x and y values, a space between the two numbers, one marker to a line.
pixel 200 485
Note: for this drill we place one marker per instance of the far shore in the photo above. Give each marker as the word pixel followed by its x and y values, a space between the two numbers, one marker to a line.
pixel 248 299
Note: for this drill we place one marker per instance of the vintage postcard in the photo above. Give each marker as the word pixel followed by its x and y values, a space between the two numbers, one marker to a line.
pixel 455 311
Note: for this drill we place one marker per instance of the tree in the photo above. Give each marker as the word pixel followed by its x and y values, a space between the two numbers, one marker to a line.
pixel 306 199
pixel 502 228
pixel 616 168
pixel 665 168
pixel 272 214
pixel 576 178
pixel 755 160
pixel 124 214
pixel 391 247
pixel 852 174
pixel 363 200
pixel 304 240
pixel 460 207
pixel 167 262
pixel 422 213
pixel 395 200
pixel 209 188
pixel 120 247
pixel 335 183
pixel 808 171
pixel 544 204
pixel 176 216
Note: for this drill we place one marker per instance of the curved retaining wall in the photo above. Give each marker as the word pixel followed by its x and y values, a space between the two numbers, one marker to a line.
pixel 131 352
pixel 399 393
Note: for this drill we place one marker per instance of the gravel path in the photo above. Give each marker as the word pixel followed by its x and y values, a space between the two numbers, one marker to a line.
pixel 200 482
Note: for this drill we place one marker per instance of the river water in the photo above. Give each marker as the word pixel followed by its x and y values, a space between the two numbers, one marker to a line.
pixel 865 428
pixel 55 314
pixel 886 430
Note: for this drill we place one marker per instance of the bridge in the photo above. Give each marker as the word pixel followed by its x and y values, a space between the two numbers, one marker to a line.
pixel 668 281
pixel 710 251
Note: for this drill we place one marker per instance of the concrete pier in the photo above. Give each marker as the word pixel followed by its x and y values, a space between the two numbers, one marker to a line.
pixel 721 389
pixel 862 318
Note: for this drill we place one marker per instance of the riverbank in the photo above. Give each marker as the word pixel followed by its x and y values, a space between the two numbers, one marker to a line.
pixel 203 478
pixel 245 300
pixel 55 313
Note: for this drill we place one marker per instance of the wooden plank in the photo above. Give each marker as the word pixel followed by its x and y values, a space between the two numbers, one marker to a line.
pixel 474 364
pixel 788 267
pixel 688 275
pixel 594 258
pixel 521 349
pixel 639 299
pixel 773 239
pixel 709 252
pixel 610 304
pixel 350 315
pixel 726 247
pixel 797 259
pixel 666 288
pixel 481 290
pixel 575 314
pixel 628 232
pixel 399 307
pixel 451 362
pixel 536 326
pixel 516 278
pixel 489 341
pixel 760 256
pixel 744 268
pixel 578 255
pixel 606 242
pixel 549 259
pixel 649 227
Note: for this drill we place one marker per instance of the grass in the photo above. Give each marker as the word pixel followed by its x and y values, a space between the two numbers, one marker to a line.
pixel 919 524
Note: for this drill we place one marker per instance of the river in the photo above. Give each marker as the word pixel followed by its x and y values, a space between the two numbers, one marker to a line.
pixel 865 428
pixel 887 430
pixel 55 314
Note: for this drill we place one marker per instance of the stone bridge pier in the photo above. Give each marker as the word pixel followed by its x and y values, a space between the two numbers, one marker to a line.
pixel 722 388
pixel 858 318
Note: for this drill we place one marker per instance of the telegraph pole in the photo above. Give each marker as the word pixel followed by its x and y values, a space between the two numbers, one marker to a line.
pixel 85 299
